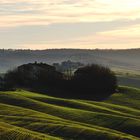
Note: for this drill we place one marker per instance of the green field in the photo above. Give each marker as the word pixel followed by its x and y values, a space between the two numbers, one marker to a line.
pixel 127 77
pixel 26 115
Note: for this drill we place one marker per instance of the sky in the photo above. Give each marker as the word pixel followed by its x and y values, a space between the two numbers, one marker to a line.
pixel 85 24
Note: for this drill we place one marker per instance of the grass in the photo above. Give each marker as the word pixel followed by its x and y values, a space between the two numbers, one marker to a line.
pixel 127 77
pixel 126 72
pixel 26 115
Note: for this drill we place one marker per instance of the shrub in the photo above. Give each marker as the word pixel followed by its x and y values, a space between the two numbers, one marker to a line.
pixel 32 76
pixel 94 82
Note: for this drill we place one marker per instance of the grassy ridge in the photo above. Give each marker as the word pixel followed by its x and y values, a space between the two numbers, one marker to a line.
pixel 34 116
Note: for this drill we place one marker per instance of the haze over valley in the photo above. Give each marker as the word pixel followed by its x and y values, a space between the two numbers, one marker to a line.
pixel 119 59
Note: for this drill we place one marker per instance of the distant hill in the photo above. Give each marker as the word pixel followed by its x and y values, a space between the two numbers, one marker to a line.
pixel 124 59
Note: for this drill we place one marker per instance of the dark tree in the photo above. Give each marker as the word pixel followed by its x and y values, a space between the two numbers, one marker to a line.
pixel 33 76
pixel 94 82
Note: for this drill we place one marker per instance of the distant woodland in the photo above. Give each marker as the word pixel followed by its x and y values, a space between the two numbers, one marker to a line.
pixel 125 59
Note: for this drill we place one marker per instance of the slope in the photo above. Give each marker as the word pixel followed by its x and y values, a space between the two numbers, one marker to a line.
pixel 35 116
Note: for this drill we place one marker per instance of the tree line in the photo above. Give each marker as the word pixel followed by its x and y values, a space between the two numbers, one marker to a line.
pixel 93 82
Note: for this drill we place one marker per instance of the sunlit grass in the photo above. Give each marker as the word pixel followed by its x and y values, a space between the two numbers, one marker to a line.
pixel 31 115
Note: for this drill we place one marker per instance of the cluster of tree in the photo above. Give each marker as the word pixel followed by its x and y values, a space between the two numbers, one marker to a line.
pixel 32 76
pixel 94 82
pixel 90 82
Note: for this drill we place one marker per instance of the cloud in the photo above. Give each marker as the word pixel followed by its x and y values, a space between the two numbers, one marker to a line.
pixel 60 32
pixel 69 23
pixel 117 39
pixel 44 12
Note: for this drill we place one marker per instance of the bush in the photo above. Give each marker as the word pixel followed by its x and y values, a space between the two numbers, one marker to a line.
pixel 32 76
pixel 93 82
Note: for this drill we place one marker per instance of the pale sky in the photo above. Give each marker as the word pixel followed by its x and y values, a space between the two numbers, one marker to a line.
pixel 86 24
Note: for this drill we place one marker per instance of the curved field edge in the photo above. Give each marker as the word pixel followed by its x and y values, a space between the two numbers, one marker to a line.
pixel 73 119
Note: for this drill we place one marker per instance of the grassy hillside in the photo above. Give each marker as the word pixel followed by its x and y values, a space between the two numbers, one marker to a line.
pixel 31 116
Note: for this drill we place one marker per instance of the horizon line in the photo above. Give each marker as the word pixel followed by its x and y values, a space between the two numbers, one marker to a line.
pixel 20 49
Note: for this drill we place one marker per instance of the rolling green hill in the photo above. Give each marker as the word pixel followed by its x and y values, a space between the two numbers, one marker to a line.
pixel 26 115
